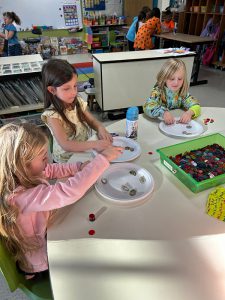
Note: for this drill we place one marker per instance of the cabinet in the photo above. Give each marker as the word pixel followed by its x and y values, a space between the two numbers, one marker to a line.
pixel 20 85
pixel 195 17
pixel 115 73
pixel 100 37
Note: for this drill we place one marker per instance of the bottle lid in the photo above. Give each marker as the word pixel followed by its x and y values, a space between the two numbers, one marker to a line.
pixel 132 113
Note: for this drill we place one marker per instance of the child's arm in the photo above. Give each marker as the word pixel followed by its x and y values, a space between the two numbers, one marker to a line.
pixel 158 27
pixel 73 146
pixel 102 133
pixel 154 107
pixel 192 107
pixel 53 171
pixel 2 35
pixel 9 34
pixel 46 197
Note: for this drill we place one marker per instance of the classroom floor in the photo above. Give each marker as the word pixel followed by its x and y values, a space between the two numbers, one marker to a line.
pixel 211 94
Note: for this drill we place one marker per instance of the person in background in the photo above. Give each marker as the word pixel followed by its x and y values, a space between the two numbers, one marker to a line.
pixel 67 115
pixel 171 92
pixel 168 24
pixel 141 20
pixel 27 199
pixel 143 40
pixel 12 46
pixel 132 30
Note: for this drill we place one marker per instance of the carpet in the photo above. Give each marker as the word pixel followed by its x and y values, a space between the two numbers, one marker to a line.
pixel 84 70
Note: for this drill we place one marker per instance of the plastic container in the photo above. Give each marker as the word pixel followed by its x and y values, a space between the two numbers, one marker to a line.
pixel 196 9
pixel 132 122
pixel 195 144
pixel 203 9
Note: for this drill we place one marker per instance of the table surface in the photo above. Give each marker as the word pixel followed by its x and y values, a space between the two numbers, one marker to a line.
pixel 185 38
pixel 166 248
pixel 135 55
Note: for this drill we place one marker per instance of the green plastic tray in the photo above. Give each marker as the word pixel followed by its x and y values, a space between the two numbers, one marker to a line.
pixel 195 144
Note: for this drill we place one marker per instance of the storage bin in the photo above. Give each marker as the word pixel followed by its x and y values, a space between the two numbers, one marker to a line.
pixel 196 9
pixel 195 144
pixel 203 9
pixel 96 45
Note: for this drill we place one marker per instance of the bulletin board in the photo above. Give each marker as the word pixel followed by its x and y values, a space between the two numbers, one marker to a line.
pixel 56 13
pixel 90 5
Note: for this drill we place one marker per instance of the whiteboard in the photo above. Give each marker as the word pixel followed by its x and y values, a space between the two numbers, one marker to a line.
pixel 45 12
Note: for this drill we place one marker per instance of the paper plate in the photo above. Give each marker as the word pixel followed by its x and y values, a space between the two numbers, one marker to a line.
pixel 189 130
pixel 125 184
pixel 133 149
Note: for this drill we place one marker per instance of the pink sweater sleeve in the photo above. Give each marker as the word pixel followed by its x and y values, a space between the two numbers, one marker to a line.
pixel 61 170
pixel 47 197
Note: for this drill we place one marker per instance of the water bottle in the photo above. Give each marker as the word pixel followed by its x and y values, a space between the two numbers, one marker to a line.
pixel 132 122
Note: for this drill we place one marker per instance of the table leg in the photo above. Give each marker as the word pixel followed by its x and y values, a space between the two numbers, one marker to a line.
pixel 196 66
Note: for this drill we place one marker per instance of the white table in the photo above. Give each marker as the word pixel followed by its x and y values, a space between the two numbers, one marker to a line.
pixel 166 248
pixel 123 79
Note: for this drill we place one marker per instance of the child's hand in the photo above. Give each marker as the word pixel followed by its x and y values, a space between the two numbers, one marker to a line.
pixel 103 134
pixel 168 118
pixel 186 117
pixel 112 152
pixel 101 145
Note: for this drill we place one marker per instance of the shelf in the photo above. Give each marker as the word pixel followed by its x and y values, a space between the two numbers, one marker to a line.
pixel 20 83
pixel 110 25
pixel 193 23
pixel 17 109
pixel 23 64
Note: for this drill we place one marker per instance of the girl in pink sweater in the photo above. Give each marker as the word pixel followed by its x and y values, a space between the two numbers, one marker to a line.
pixel 26 197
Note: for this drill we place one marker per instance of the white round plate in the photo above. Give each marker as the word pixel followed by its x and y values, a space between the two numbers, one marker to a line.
pixel 125 184
pixel 127 155
pixel 189 130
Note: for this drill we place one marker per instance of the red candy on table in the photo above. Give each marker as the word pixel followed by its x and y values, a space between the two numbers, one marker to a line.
pixel 91 232
pixel 91 217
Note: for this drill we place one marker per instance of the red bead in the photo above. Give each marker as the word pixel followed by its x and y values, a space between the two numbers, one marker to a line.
pixel 150 152
pixel 91 232
pixel 91 217
pixel 211 121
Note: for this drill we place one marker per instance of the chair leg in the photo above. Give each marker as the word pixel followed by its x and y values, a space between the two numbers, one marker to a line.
pixel 90 101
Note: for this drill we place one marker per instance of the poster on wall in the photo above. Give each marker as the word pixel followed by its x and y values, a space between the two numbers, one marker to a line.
pixel 90 5
pixel 70 15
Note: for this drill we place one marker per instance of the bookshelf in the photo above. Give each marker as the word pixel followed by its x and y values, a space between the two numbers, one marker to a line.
pixel 195 17
pixel 20 84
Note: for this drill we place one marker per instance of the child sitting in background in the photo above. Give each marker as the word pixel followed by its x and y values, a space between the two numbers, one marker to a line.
pixel 171 92
pixel 27 198
pixel 168 24
pixel 67 115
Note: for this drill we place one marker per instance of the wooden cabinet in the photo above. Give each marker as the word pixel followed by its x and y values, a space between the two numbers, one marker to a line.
pixel 195 17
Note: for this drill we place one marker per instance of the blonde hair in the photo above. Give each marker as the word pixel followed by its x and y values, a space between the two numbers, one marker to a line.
pixel 171 66
pixel 19 145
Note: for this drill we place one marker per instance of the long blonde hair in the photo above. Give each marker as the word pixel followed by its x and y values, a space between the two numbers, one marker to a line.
pixel 171 66
pixel 19 145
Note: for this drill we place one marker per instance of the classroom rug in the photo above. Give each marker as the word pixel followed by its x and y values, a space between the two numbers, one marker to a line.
pixel 85 72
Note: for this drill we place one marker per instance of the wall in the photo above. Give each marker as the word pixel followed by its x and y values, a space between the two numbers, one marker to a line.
pixel 40 12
